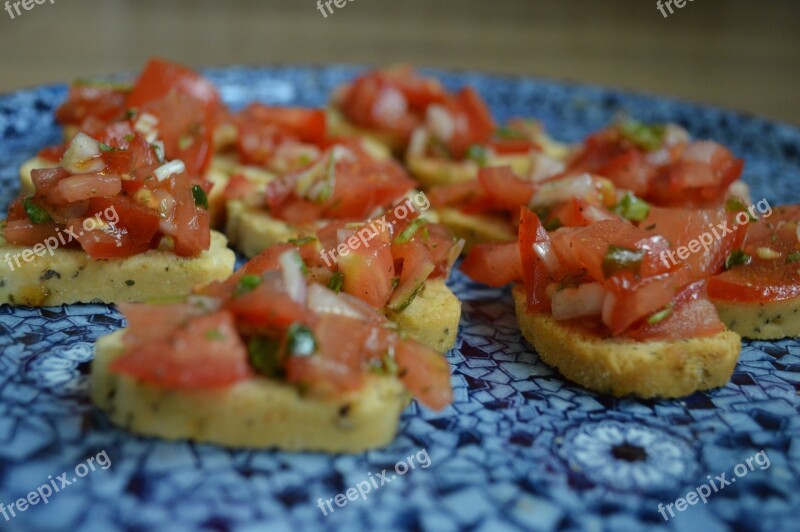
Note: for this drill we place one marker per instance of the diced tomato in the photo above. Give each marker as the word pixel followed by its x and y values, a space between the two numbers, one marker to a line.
pixel 156 322
pixel 425 373
pixel 693 316
pixel 494 264
pixel 504 189
pixel 86 100
pixel 160 78
pixel 307 125
pixel 473 121
pixel 46 180
pixel 686 227
pixel 268 308
pixel 52 153
pixel 140 223
pixel 630 171
pixel 101 240
pixel 634 302
pixel 455 195
pixel 190 227
pixel 534 272
pixel 26 233
pixel 773 271
pixel 186 130
pixel 239 188
pixel 205 353
pixel 368 271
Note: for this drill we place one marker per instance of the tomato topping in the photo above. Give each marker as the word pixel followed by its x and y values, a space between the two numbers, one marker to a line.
pixel 688 315
pixel 368 271
pixel 535 274
pixel 392 101
pixel 494 264
pixel 161 78
pixel 425 373
pixel 771 254
pixel 206 352
pixel 101 102
pixel 504 189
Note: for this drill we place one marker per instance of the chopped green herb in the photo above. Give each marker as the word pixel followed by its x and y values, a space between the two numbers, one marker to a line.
pixel 247 283
pixel 103 84
pixel 185 142
pixel 131 113
pixel 650 227
pixel 661 315
pixel 128 138
pixel 647 137
pixel 793 257
pixel 632 208
pixel 35 213
pixel 130 282
pixel 509 133
pixel 330 181
pixel 300 340
pixel 395 282
pixel 302 241
pixel 106 147
pixel 736 205
pixel 737 258
pixel 552 224
pixel 265 356
pixel 477 153
pixel 200 197
pixel 214 334
pixel 336 281
pixel 619 259
pixel 409 232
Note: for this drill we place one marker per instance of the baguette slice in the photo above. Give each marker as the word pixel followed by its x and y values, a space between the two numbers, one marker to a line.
pixel 768 320
pixel 258 413
pixel 71 276
pixel 620 367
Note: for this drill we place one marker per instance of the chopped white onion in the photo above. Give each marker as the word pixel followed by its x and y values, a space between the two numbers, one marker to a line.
pixel 293 276
pixel 165 170
pixel 158 146
pixel 390 105
pixel 325 301
pixel 440 122
pixel 581 186
pixel 418 143
pixel 659 157
pixel 701 151
pixel 147 125
pixel 585 300
pixel 675 134
pixel 83 155
pixel 206 304
pixel 609 302
pixel 543 166
pixel 545 252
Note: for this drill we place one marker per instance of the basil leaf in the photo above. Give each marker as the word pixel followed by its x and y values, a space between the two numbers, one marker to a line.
pixel 619 259
pixel 336 281
pixel 200 197
pixel 646 137
pixel 36 214
pixel 737 258
pixel 300 341
pixel 632 208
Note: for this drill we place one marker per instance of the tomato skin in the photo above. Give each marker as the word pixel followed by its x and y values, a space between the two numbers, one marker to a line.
pixel 139 222
pixel 191 228
pixel 268 309
pixel 534 272
pixel 205 353
pixel 52 153
pixel 630 171
pixel 160 78
pixel 693 316
pixel 494 264
pixel 305 124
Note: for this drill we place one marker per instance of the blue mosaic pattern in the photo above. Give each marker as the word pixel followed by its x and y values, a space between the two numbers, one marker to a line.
pixel 520 448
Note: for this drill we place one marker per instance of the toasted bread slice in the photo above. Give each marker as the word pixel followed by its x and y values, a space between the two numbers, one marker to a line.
pixel 71 276
pixel 339 126
pixel 768 320
pixel 619 367
pixel 430 171
pixel 476 228
pixel 433 316
pixel 258 413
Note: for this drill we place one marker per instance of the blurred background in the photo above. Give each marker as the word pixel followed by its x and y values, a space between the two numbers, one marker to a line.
pixel 735 53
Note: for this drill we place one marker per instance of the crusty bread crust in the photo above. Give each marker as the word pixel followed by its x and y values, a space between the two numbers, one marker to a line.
pixel 768 320
pixel 476 228
pixel 257 414
pixel 622 367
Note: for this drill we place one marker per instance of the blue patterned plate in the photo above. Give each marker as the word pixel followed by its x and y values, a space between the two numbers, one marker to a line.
pixel 520 448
